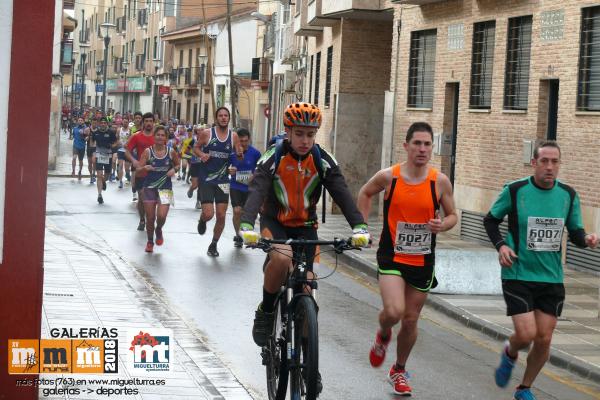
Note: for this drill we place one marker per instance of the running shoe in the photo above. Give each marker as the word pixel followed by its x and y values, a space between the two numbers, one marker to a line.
pixel 141 225
pixel 93 178
pixel 190 193
pixel 399 380
pixel 212 250
pixel 134 196
pixel 112 177
pixel 120 184
pixel 73 174
pixel 149 247
pixel 263 326
pixel 201 227
pixel 198 205
pixel 238 241
pixel 100 199
pixel 504 370
pixel 159 237
pixel 128 176
pixel 79 176
pixel 103 184
pixel 377 353
pixel 524 394
pixel 178 177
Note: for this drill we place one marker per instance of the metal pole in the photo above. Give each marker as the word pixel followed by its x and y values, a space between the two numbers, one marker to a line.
pixel 231 81
pixel 106 43
pixel 82 91
pixel 270 103
pixel 201 89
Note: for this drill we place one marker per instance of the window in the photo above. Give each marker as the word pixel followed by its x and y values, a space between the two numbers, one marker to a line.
pixel 518 52
pixel 588 88
pixel 155 48
pixel 421 69
pixel 180 59
pixel 328 75
pixel 190 58
pixel 310 78
pixel 285 14
pixel 145 47
pixel 317 77
pixel 482 63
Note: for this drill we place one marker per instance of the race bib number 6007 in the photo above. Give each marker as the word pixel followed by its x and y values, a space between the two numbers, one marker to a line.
pixel 412 238
pixel 544 234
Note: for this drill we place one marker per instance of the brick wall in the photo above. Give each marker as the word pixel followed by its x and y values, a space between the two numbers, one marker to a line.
pixel 489 147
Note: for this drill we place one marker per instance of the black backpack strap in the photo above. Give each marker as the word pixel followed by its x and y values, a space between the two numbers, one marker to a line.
pixel 434 198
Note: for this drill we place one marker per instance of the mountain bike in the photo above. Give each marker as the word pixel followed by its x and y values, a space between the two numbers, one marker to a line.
pixel 291 355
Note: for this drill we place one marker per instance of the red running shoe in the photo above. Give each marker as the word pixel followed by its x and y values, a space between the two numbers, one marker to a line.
pixel 377 353
pixel 399 380
pixel 159 237
pixel 149 247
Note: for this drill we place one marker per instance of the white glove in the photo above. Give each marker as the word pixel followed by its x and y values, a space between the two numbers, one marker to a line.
pixel 248 235
pixel 360 236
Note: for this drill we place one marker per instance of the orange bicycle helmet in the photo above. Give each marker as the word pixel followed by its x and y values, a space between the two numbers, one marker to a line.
pixel 302 114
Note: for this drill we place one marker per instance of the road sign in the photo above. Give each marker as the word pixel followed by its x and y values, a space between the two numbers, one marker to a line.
pixel 99 88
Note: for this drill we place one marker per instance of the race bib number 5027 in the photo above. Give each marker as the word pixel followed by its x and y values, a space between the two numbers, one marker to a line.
pixel 544 234
pixel 412 238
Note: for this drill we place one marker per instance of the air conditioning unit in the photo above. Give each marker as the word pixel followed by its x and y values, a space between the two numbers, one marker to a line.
pixel 289 81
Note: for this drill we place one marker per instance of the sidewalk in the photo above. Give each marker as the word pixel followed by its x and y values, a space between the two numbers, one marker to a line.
pixel 576 341
pixel 64 159
pixel 87 287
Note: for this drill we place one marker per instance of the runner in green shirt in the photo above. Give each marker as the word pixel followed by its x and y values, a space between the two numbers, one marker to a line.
pixel 538 208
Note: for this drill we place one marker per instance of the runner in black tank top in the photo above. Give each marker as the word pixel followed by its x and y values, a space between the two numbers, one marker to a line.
pixel 211 147
pixel 161 163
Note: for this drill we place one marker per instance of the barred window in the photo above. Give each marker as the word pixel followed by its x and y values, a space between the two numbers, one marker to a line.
pixel 421 69
pixel 588 88
pixel 328 75
pixel 482 64
pixel 518 54
pixel 317 77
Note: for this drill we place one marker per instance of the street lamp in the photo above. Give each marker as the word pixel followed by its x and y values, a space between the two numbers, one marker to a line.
pixel 157 66
pixel 73 78
pixel 202 60
pixel 83 48
pixel 124 65
pixel 105 29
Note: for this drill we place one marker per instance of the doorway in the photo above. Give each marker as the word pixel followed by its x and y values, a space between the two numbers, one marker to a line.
pixel 450 130
pixel 547 124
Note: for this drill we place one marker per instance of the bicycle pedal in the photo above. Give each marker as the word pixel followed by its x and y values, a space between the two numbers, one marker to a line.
pixel 265 355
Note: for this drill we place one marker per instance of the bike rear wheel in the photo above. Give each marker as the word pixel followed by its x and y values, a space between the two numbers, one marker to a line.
pixel 304 374
pixel 276 365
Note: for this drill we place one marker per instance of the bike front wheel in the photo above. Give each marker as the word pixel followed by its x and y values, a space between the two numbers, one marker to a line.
pixel 305 372
pixel 276 362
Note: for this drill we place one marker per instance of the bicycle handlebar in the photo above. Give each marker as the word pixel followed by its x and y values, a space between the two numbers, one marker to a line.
pixel 339 245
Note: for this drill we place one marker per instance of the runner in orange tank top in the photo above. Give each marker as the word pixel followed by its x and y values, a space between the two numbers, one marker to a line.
pixel 414 192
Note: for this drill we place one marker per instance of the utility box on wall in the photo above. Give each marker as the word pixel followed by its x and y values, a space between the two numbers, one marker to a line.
pixel 442 144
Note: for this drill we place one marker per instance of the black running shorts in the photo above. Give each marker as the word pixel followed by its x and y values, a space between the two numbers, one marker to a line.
pixel 238 197
pixel 524 296
pixel 211 193
pixel 420 278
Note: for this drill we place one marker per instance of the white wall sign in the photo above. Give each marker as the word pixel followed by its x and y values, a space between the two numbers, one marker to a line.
pixel 6 16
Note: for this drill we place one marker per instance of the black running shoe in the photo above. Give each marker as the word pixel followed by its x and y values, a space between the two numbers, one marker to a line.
pixel 141 225
pixel 103 184
pixel 201 227
pixel 212 250
pixel 190 193
pixel 263 326
pixel 100 199
pixel 238 241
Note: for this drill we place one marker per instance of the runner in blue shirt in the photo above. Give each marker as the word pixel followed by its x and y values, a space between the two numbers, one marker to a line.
pixel 78 146
pixel 241 172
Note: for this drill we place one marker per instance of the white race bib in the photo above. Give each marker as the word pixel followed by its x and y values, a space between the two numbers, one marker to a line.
pixel 224 187
pixel 544 234
pixel 166 196
pixel 102 158
pixel 412 238
pixel 243 177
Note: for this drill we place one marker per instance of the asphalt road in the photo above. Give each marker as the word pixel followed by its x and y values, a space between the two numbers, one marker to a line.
pixel 219 296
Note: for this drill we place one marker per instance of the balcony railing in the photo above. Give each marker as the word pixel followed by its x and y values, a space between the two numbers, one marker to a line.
pixel 66 54
pixel 356 8
pixel 188 76
pixel 142 17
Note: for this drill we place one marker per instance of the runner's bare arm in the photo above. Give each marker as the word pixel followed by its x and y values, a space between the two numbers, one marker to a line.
pixel 202 140
pixel 378 183
pixel 236 145
pixel 447 203
pixel 143 160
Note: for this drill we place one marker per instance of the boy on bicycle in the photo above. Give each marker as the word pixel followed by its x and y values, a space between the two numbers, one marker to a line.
pixel 285 190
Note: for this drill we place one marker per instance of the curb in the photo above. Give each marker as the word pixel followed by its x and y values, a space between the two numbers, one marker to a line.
pixel 557 358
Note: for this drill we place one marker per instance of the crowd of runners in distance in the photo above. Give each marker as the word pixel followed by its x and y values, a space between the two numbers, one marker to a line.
pixel 146 153
pixel 282 188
